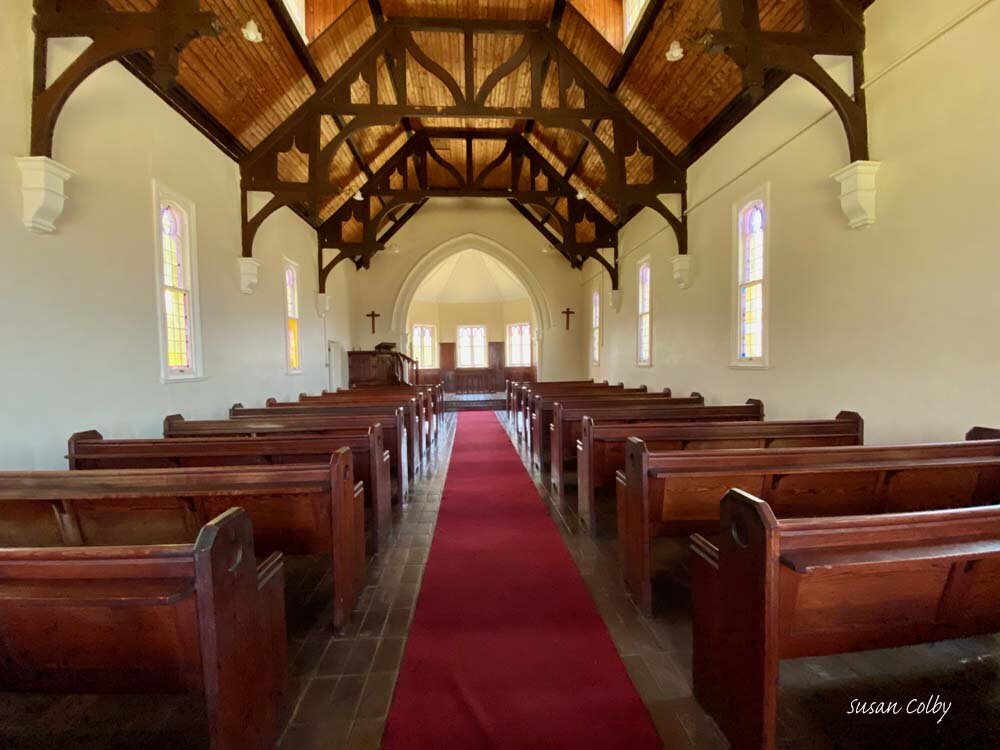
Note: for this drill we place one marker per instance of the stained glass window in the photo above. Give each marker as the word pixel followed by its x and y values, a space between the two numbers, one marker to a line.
pixel 422 345
pixel 472 346
pixel 519 345
pixel 595 336
pixel 176 290
pixel 644 334
pixel 751 281
pixel 293 342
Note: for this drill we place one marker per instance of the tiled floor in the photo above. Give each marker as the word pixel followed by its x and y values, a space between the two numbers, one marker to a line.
pixel 342 684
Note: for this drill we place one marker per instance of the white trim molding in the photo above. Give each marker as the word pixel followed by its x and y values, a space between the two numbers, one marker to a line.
pixel 43 196
pixel 763 362
pixel 161 195
pixel 857 192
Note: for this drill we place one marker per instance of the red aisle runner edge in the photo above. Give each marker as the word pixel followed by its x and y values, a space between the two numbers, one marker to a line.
pixel 507 649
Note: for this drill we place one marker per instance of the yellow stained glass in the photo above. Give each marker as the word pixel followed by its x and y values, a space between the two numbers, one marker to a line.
pixel 644 338
pixel 751 319
pixel 751 322
pixel 294 361
pixel 178 331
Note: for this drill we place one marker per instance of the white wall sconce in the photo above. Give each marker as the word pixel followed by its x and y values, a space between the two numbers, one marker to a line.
pixel 322 304
pixel 683 270
pixel 249 270
pixel 857 192
pixel 615 299
pixel 43 193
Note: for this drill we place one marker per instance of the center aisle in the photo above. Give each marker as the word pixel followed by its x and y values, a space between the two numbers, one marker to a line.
pixel 507 649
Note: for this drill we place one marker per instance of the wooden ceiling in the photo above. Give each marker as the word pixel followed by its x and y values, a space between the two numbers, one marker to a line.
pixel 249 89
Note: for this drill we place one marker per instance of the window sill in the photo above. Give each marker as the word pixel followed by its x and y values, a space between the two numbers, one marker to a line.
pixel 749 366
pixel 293 372
pixel 182 379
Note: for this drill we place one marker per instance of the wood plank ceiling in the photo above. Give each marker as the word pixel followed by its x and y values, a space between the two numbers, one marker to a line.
pixel 250 89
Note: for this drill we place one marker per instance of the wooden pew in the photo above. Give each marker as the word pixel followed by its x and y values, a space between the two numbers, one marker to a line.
pixel 543 408
pixel 601 447
pixel 566 424
pixel 522 395
pixel 528 397
pixel 295 409
pixel 307 509
pixel 675 493
pixel 89 450
pixel 433 396
pixel 398 395
pixel 393 434
pixel 771 589
pixel 138 617
pixel 512 385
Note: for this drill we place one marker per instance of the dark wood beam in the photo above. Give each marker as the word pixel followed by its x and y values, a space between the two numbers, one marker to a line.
pixel 638 38
pixel 378 17
pixel 558 11
pixel 304 56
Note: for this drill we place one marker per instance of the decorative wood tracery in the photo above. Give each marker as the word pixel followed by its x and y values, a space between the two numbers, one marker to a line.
pixel 164 30
pixel 579 97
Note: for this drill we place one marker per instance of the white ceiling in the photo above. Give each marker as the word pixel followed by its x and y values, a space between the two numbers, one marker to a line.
pixel 470 276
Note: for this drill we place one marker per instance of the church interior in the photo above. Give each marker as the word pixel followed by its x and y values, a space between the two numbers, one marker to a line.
pixel 499 374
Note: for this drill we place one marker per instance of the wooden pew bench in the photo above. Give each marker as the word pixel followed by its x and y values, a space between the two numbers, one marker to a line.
pixel 432 396
pixel 566 427
pixel 533 433
pixel 89 450
pixel 394 434
pixel 307 509
pixel 513 386
pixel 523 394
pixel 601 448
pixel 423 404
pixel 139 617
pixel 385 411
pixel 676 493
pixel 769 589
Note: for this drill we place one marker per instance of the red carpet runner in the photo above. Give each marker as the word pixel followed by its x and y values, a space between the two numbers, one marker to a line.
pixel 507 649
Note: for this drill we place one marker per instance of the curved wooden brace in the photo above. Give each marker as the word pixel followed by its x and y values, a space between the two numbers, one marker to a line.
pixel 447 166
pixel 511 64
pixel 853 116
pixel 325 270
pixel 432 67
pixel 251 225
pixel 361 122
pixel 678 225
pixel 115 35
pixel 493 165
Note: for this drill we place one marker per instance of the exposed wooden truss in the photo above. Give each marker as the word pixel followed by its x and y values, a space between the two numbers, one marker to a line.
pixel 561 93
pixel 832 27
pixel 360 227
pixel 164 30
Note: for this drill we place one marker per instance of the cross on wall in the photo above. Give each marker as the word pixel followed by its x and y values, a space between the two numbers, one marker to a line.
pixel 373 315
pixel 567 312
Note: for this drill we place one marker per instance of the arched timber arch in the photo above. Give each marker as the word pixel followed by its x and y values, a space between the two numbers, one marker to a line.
pixel 471 241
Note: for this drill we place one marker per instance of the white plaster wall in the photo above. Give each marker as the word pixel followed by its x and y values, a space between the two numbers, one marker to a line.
pixel 78 315
pixel 443 220
pixel 898 321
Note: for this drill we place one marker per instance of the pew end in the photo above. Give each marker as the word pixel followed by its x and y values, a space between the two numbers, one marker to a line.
pixel 170 422
pixel 635 536
pixel 983 433
pixel 75 439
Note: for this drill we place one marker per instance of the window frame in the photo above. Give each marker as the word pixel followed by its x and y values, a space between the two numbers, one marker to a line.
pixel 434 349
pixel 531 354
pixel 763 362
pixel 286 264
pixel 458 347
pixel 639 264
pixel 187 214
pixel 596 323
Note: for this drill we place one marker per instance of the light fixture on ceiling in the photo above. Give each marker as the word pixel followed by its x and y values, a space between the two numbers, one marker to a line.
pixel 358 196
pixel 547 248
pixel 251 32
pixel 675 52
pixel 581 195
pixel 393 247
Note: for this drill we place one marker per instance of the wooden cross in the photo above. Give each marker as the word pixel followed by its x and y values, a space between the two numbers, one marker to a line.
pixel 373 315
pixel 567 312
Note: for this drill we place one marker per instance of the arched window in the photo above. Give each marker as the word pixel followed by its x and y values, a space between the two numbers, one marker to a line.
pixel 176 273
pixel 293 342
pixel 472 346
pixel 422 346
pixel 519 345
pixel 751 295
pixel 595 326
pixel 644 332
